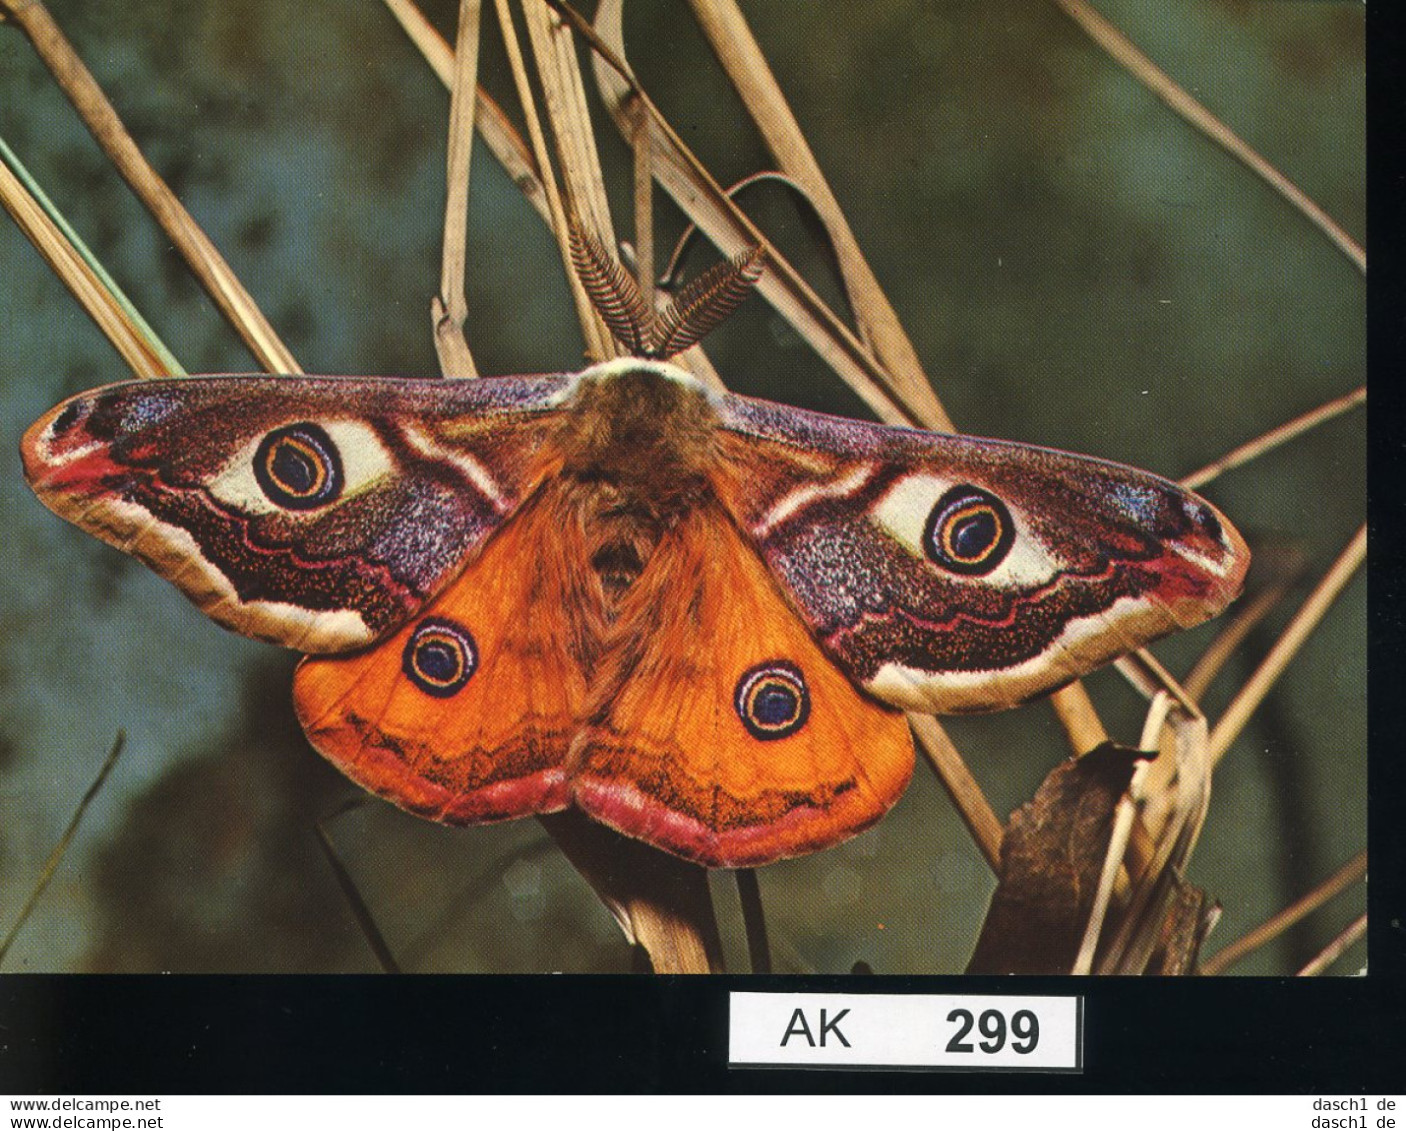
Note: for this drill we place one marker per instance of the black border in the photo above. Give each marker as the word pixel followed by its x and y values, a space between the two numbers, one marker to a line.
pixel 344 1034
pixel 409 1035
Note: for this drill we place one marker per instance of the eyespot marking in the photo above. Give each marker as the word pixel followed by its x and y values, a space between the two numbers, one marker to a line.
pixel 439 657
pixel 772 700
pixel 969 531
pixel 298 467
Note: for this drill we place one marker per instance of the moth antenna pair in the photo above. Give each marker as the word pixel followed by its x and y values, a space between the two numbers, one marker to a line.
pixel 692 313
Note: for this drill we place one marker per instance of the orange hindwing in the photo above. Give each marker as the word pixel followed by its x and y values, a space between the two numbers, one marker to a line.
pixel 724 734
pixel 467 712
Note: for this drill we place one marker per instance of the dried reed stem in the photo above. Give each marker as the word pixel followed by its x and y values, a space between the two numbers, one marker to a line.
pixel 564 97
pixel 1124 817
pixel 194 245
pixel 1077 715
pixel 643 167
pixel 1173 798
pixel 46 874
pixel 725 26
pixel 1334 950
pixel 661 902
pixel 749 895
pixel 1125 823
pixel 1277 924
pixel 1155 79
pixel 976 812
pixel 1149 675
pixel 360 912
pixel 1232 634
pixel 94 289
pixel 1286 647
pixel 1274 437
pixel 502 139
pixel 450 308
pixel 680 173
pixel 598 343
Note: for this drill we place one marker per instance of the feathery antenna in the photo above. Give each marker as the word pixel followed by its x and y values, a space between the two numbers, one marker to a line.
pixel 698 308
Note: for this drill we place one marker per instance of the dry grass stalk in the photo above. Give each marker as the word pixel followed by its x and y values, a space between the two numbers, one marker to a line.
pixel 1176 808
pixel 51 865
pixel 195 246
pixel 599 344
pixel 450 307
pixel 497 131
pixel 564 96
pixel 976 812
pixel 365 921
pixel 1335 949
pixel 749 895
pixel 701 198
pixel 506 144
pixel 662 903
pixel 643 168
pixel 1155 79
pixel 1113 879
pixel 1123 821
pixel 725 26
pixel 1150 678
pixel 1079 718
pixel 1177 784
pixel 1147 673
pixel 1349 874
pixel 94 290
pixel 1229 725
pixel 1249 612
pixel 1274 437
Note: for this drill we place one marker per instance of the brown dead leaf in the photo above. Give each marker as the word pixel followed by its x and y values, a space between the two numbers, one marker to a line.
pixel 1051 858
pixel 1189 919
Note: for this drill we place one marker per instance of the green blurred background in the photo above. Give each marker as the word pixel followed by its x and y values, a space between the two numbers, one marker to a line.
pixel 1077 267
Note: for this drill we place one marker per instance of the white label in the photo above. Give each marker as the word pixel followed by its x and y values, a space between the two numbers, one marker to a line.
pixel 800 1030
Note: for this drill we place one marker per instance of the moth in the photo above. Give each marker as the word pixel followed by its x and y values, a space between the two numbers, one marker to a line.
pixel 696 617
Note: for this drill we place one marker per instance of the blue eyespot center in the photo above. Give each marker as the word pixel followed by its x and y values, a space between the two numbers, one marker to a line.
pixel 969 531
pixel 973 534
pixel 772 700
pixel 439 657
pixel 298 467
pixel 775 705
pixel 439 660
pixel 295 469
